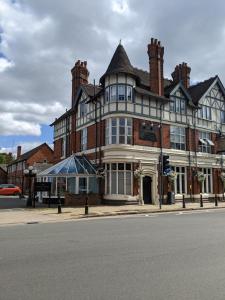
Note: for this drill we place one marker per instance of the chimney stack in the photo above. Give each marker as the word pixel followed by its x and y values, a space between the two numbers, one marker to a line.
pixel 18 151
pixel 155 53
pixel 79 76
pixel 182 73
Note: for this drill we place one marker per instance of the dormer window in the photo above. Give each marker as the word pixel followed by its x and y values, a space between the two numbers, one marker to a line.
pixel 119 92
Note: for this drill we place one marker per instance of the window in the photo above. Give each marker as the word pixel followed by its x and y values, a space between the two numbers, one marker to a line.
pixel 207 183
pixel 205 112
pixel 118 131
pixel 180 183
pixel 222 116
pixel 83 109
pixel 63 147
pixel 84 139
pixel 205 142
pixel 119 178
pixel 178 105
pixel 120 92
pixel 177 137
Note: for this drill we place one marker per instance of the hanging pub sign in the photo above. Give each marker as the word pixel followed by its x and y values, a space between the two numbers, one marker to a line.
pixel 147 132
pixel 42 186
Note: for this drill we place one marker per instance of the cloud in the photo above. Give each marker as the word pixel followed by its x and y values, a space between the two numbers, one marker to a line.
pixel 41 40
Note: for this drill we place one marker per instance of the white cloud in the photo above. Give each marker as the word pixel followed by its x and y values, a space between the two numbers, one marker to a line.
pixel 41 40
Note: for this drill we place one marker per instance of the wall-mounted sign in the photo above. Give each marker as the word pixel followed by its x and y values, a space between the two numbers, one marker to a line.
pixel 147 132
pixel 42 186
pixel 221 144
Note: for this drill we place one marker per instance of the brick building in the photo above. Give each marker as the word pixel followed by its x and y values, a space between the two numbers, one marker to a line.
pixel 127 123
pixel 37 157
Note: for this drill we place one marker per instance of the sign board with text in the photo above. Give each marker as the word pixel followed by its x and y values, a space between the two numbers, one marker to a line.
pixel 42 186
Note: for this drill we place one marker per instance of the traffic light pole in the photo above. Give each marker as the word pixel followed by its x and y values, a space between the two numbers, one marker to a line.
pixel 161 161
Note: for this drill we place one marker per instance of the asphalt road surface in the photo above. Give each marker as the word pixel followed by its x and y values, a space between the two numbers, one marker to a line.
pixel 169 256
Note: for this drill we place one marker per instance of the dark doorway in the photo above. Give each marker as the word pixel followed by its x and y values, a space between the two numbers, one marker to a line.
pixel 147 190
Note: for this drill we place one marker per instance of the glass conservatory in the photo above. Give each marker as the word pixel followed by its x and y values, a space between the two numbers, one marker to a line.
pixel 74 174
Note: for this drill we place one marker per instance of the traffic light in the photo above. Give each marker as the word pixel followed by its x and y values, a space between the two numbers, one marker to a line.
pixel 166 164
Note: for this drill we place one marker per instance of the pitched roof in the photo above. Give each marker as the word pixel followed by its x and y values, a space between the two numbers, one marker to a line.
pixel 119 63
pixel 28 154
pixel 198 90
pixel 91 90
pixel 67 113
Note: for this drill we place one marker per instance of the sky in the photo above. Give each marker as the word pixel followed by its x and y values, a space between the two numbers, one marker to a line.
pixel 40 40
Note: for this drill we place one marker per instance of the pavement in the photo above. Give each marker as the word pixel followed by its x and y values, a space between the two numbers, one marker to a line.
pixel 16 216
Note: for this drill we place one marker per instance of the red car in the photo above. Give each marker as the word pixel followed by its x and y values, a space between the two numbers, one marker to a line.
pixel 9 189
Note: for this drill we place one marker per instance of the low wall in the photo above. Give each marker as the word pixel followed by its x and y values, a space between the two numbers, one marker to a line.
pixel 79 199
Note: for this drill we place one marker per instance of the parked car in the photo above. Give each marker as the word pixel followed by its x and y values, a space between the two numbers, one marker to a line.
pixel 9 190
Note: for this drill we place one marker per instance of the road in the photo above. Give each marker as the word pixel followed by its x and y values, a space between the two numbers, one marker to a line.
pixel 167 256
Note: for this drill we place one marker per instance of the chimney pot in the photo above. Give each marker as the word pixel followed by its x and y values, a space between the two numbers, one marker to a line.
pixel 19 151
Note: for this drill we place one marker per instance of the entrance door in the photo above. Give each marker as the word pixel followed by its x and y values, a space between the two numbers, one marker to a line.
pixel 147 190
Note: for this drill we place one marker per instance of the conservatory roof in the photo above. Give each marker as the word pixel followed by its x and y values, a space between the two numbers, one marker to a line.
pixel 73 165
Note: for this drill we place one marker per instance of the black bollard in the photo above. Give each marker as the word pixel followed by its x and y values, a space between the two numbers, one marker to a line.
pixel 59 205
pixel 184 204
pixel 86 205
pixel 201 201
pixel 216 200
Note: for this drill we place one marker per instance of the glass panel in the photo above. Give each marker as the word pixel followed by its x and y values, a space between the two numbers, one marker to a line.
pixel 128 183
pixel 120 166
pixel 61 185
pixel 114 167
pixel 93 185
pixel 121 92
pixel 113 183
pixel 121 183
pixel 82 185
pixel 71 185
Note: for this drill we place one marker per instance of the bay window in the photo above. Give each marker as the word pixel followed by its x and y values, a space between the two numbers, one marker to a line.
pixel 118 131
pixel 118 92
pixel 119 179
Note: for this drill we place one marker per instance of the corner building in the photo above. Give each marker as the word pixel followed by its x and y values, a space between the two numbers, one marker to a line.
pixel 134 117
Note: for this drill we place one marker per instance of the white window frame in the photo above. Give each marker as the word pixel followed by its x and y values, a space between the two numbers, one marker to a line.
pixel 205 112
pixel 112 138
pixel 177 135
pixel 108 179
pixel 207 184
pixel 178 181
pixel 205 142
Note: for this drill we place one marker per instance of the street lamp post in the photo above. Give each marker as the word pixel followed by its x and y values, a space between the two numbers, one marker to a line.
pixel 30 173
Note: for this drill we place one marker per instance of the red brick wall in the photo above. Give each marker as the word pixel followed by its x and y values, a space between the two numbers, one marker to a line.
pixel 57 150
pixel 44 153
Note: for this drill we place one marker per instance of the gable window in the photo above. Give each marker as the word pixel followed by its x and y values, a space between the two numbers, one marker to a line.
pixel 120 92
pixel 119 179
pixel 177 137
pixel 205 142
pixel 178 105
pixel 83 139
pixel 118 131
pixel 83 109
pixel 205 112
